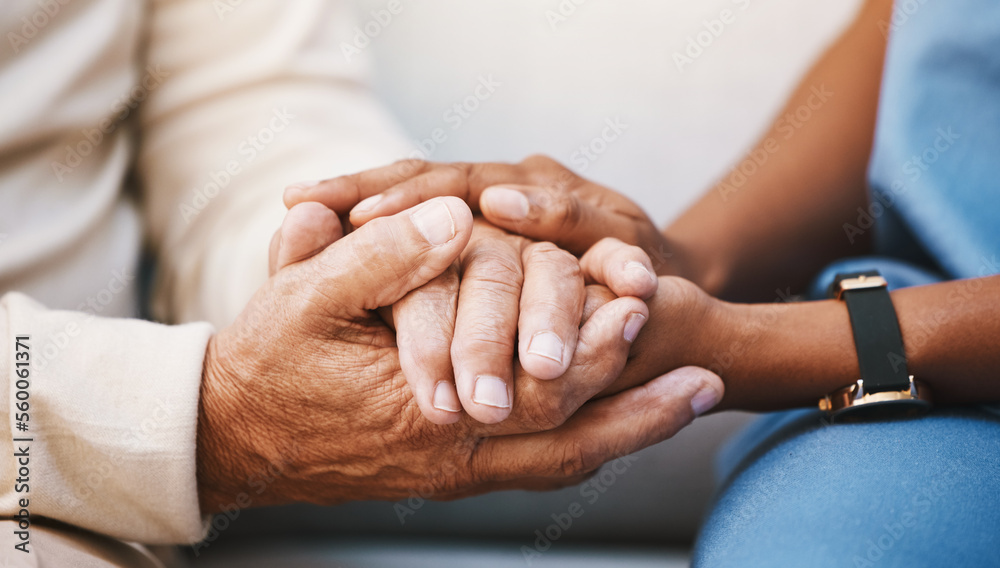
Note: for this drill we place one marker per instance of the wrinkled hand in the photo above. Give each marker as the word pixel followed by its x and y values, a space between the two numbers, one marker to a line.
pixel 537 198
pixel 307 382
pixel 457 333
pixel 505 296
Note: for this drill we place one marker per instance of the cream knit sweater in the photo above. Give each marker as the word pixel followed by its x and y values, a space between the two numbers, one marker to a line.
pixel 180 121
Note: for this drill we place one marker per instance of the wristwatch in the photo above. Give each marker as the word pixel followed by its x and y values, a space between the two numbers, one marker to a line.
pixel 885 388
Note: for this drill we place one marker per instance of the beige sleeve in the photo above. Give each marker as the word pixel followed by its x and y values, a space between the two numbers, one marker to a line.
pixel 246 101
pixel 108 443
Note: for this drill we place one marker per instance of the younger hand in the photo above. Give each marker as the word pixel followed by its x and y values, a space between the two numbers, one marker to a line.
pixel 537 198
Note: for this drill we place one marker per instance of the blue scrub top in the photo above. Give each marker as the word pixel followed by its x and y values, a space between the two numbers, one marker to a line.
pixel 935 167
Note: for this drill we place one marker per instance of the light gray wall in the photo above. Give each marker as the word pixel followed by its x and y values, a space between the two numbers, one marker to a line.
pixel 607 59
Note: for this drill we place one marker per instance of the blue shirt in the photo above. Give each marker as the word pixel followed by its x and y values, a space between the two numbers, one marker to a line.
pixel 935 167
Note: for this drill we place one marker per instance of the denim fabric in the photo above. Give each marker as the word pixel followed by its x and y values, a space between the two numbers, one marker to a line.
pixel 797 491
pixel 919 492
pixel 899 493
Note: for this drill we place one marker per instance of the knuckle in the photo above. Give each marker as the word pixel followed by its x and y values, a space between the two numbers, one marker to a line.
pixel 566 212
pixel 541 410
pixel 575 460
pixel 492 262
pixel 679 290
pixel 538 160
pixel 410 167
pixel 480 339
pixel 548 255
pixel 609 243
pixel 634 252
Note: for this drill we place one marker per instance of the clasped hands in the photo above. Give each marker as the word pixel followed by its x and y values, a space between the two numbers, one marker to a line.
pixel 383 360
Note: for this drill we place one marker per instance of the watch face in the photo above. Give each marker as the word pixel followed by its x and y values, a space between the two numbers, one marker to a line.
pixel 877 411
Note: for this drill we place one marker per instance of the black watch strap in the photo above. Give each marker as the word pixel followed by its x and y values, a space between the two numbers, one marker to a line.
pixel 877 337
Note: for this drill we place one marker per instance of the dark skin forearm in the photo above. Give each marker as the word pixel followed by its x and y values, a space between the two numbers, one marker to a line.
pixel 781 224
pixel 951 333
pixel 779 356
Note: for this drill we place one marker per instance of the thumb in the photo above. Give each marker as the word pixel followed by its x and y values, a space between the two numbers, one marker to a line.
pixel 307 229
pixel 382 261
pixel 604 429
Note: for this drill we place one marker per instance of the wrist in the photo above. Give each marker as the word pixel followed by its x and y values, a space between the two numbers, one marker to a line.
pixel 785 355
pixel 220 443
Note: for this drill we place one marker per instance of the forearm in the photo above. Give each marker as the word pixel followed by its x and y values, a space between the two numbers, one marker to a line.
pixel 778 217
pixel 789 355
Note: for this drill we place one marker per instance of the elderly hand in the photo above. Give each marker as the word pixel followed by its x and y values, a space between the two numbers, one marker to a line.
pixel 456 334
pixel 308 382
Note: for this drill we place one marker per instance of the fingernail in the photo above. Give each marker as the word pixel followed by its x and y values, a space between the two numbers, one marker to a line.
pixel 491 391
pixel 434 221
pixel 507 203
pixel 633 325
pixel 368 204
pixel 638 270
pixel 704 400
pixel 546 344
pixel 446 398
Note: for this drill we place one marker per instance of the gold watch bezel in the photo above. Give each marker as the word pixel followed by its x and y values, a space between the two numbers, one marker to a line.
pixel 854 395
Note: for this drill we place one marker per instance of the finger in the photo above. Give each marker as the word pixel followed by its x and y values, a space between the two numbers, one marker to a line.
pixel 425 326
pixel 307 229
pixel 485 328
pixel 597 296
pixel 623 268
pixel 381 262
pixel 601 354
pixel 552 214
pixel 551 306
pixel 464 181
pixel 603 430
pixel 344 192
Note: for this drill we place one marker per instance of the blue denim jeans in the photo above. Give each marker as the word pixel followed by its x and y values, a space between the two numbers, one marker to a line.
pixel 796 491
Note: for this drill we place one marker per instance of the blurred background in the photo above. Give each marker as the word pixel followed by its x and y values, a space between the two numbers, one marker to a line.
pixel 688 93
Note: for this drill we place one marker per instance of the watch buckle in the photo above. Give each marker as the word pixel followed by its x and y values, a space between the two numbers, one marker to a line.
pixel 859 283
